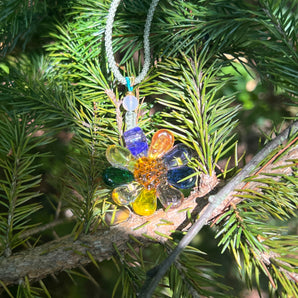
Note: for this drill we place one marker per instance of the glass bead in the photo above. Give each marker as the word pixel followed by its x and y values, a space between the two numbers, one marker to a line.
pixel 146 202
pixel 115 176
pixel 130 120
pixel 116 215
pixel 130 102
pixel 168 195
pixel 175 175
pixel 126 194
pixel 162 141
pixel 120 157
pixel 135 140
pixel 149 171
pixel 179 155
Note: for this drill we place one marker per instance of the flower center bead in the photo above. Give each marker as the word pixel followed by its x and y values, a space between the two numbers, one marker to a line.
pixel 149 171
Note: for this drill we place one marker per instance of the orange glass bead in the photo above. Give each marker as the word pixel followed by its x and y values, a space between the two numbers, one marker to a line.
pixel 162 142
pixel 149 172
pixel 146 202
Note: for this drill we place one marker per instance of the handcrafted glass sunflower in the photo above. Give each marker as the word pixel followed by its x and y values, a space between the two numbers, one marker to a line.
pixel 140 174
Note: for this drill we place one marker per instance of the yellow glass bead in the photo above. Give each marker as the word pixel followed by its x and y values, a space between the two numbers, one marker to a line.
pixel 120 157
pixel 149 172
pixel 146 203
pixel 162 142
pixel 127 193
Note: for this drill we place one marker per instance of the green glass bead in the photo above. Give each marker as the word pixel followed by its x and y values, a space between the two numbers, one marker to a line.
pixel 127 193
pixel 120 157
pixel 146 202
pixel 169 196
pixel 114 176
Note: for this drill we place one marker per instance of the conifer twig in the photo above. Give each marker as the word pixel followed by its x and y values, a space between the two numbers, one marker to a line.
pixel 155 274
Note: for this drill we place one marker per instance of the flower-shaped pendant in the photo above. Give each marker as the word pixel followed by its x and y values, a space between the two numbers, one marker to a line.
pixel 140 174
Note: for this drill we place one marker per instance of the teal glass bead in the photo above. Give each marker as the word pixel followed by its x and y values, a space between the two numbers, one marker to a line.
pixel 169 196
pixel 130 102
pixel 130 120
pixel 115 176
pixel 177 174
pixel 135 140
pixel 179 155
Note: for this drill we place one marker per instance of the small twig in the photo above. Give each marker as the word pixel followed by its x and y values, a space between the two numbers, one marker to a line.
pixel 110 93
pixel 42 228
pixel 214 202
pixel 272 159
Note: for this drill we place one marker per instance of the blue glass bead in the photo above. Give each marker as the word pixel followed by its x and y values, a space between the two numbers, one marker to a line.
pixel 130 120
pixel 130 102
pixel 135 140
pixel 175 175
pixel 179 155
pixel 114 176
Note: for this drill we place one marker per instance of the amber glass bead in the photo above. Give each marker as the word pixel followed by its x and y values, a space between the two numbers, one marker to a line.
pixel 120 157
pixel 127 193
pixel 162 141
pixel 149 172
pixel 116 215
pixel 168 195
pixel 146 202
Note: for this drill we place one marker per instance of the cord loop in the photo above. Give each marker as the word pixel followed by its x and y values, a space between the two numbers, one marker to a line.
pixel 108 42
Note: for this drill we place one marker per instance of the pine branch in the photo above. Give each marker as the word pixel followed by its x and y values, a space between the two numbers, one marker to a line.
pixel 215 204
pixel 66 253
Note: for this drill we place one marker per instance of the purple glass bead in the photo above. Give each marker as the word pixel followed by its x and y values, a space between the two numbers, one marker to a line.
pixel 135 140
pixel 175 175
pixel 178 156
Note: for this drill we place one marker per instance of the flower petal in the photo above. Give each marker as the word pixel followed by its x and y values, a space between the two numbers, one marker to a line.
pixel 177 174
pixel 168 195
pixel 114 176
pixel 162 141
pixel 179 155
pixel 116 215
pixel 146 202
pixel 120 157
pixel 135 140
pixel 127 193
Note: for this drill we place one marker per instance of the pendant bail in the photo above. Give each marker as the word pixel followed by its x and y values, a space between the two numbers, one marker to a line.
pixel 129 87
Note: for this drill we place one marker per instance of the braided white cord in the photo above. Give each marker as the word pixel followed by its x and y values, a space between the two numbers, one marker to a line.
pixel 108 42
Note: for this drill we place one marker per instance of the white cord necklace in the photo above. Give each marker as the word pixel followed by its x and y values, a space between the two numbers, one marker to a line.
pixel 109 49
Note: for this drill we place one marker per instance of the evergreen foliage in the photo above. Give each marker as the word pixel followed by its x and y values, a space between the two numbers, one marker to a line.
pixel 56 88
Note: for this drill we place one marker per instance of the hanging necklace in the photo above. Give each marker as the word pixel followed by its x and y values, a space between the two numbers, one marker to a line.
pixel 130 102
pixel 109 49
pixel 140 173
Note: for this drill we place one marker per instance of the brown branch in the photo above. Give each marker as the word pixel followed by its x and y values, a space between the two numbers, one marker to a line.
pixel 66 253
